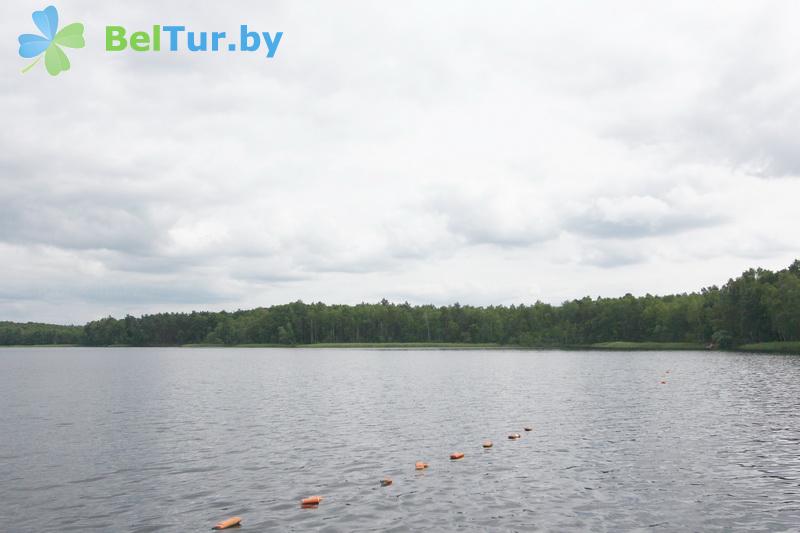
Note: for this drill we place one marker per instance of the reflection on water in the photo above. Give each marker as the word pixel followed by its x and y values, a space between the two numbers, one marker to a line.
pixel 178 439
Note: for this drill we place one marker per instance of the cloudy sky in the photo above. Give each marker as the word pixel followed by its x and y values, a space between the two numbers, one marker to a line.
pixel 420 151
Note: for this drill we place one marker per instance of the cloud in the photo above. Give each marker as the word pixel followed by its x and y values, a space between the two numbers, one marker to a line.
pixel 505 214
pixel 428 152
pixel 731 101
pixel 639 216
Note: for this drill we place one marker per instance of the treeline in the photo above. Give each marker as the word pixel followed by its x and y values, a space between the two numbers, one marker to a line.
pixel 758 306
pixel 30 333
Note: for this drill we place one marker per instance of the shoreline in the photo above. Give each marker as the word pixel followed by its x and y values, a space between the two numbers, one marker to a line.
pixel 785 348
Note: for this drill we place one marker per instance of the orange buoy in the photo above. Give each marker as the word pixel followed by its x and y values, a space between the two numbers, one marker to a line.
pixel 311 501
pixel 488 444
pixel 385 482
pixel 514 436
pixel 230 522
pixel 529 428
pixel 420 465
pixel 457 455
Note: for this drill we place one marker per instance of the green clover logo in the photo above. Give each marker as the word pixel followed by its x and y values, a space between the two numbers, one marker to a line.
pixel 50 42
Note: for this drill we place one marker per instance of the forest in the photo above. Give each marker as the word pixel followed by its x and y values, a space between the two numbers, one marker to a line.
pixel 757 307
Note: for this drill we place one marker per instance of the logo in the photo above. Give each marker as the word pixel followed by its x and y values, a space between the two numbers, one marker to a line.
pixel 177 38
pixel 50 41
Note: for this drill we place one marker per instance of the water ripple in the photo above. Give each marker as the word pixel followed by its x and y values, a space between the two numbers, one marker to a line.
pixel 176 439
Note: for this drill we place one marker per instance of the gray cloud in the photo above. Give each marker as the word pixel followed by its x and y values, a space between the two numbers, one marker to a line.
pixel 640 216
pixel 611 255
pixel 78 226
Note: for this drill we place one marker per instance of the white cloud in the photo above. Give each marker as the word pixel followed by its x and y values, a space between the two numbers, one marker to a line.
pixel 420 151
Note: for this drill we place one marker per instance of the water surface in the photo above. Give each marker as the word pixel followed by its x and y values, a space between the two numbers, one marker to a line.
pixel 135 439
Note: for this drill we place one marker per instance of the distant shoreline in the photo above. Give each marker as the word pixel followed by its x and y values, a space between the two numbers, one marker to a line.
pixel 790 347
pixel 757 311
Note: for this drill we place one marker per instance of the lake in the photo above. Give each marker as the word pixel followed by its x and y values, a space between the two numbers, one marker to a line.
pixel 133 439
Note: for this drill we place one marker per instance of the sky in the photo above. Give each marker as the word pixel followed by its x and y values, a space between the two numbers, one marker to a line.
pixel 429 152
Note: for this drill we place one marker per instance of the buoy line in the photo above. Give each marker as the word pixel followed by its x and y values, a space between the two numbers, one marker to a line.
pixel 312 502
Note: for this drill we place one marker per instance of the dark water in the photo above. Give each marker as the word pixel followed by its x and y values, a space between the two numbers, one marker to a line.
pixel 177 439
